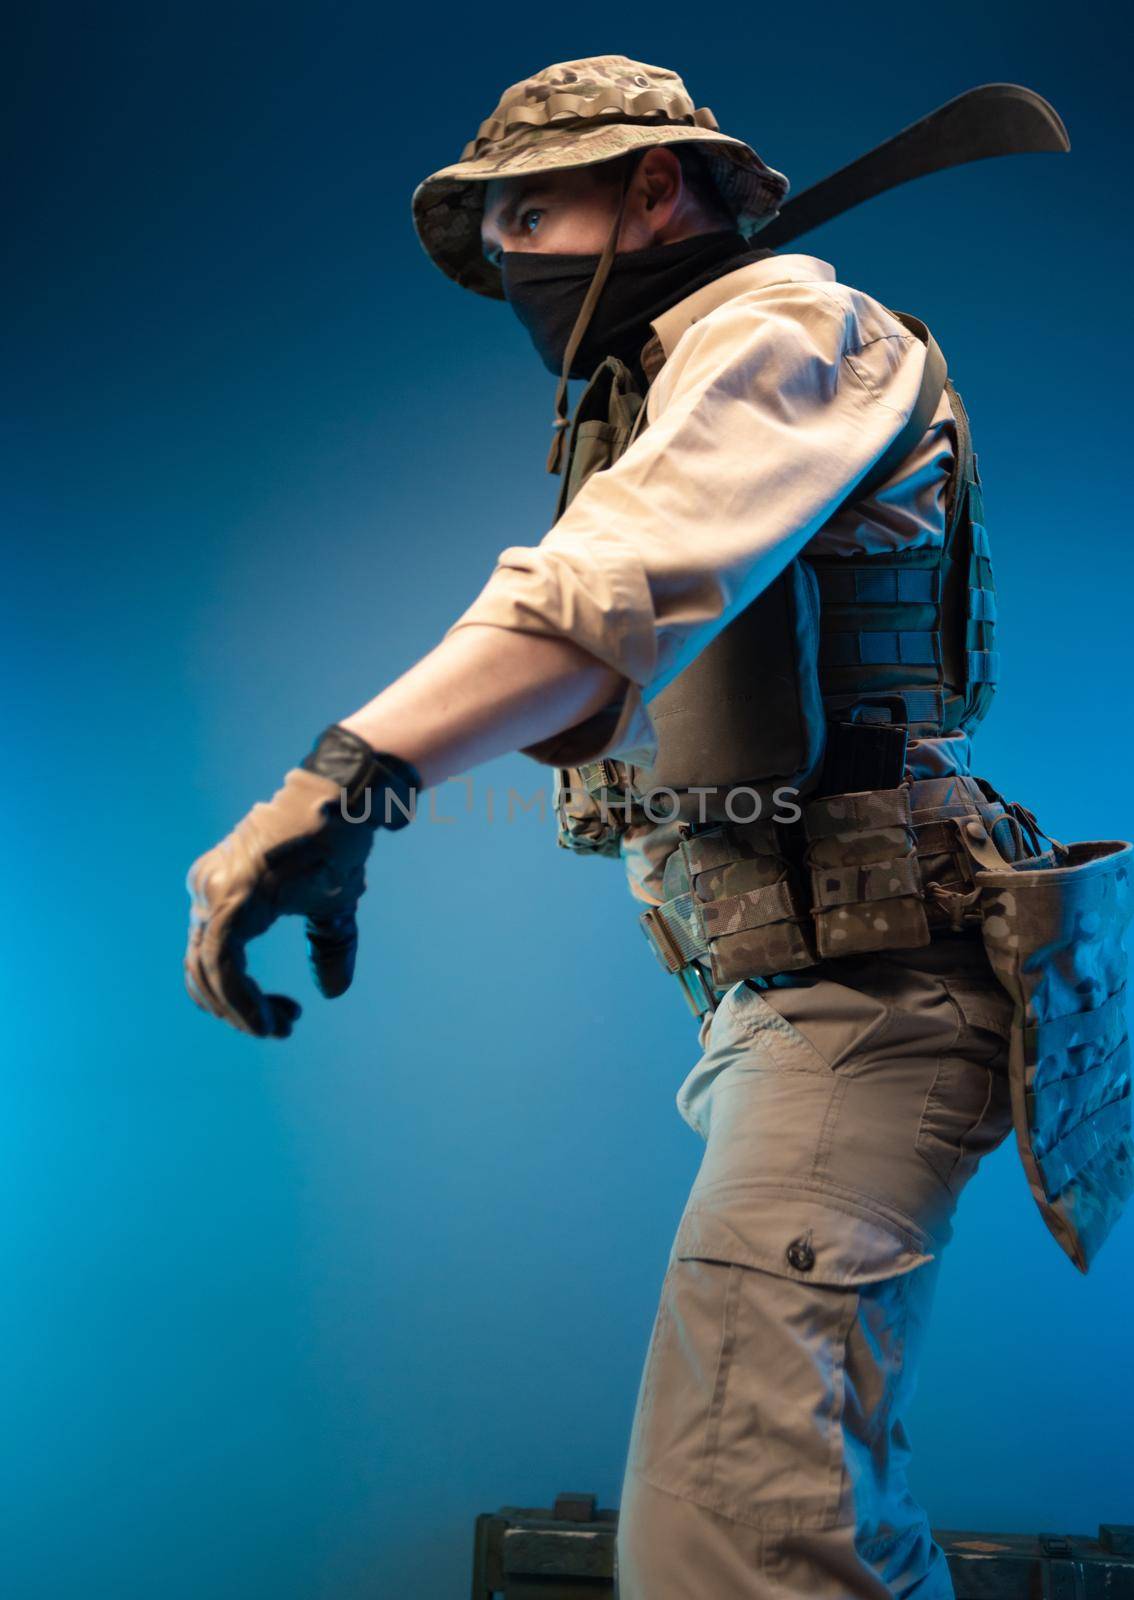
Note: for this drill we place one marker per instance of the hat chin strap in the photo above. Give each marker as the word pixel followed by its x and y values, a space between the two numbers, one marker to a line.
pixel 561 422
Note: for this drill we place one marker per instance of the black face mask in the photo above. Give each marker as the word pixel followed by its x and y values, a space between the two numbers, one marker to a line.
pixel 546 292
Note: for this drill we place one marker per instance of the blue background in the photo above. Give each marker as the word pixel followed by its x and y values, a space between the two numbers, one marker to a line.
pixel 281 1318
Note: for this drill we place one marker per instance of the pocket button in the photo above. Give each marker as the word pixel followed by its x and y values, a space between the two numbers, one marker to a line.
pixel 800 1255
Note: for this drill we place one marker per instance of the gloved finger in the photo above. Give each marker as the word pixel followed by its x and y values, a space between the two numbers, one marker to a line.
pixel 201 914
pixel 192 987
pixel 214 998
pixel 237 997
pixel 222 972
pixel 232 1000
pixel 279 1012
pixel 285 1012
pixel 332 946
pixel 196 983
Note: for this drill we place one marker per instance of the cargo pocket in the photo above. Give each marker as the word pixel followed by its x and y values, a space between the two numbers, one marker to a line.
pixel 746 1037
pixel 968 1108
pixel 748 1017
pixel 828 1022
pixel 741 1407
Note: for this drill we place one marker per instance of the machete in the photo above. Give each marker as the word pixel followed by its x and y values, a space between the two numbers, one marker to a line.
pixel 996 119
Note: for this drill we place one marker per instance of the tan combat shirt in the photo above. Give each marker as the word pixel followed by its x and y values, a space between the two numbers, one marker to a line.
pixel 778 389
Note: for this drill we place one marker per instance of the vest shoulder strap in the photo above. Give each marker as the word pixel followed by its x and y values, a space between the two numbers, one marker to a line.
pixel 928 398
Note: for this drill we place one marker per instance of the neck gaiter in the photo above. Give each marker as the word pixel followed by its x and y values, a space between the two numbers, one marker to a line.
pixel 546 292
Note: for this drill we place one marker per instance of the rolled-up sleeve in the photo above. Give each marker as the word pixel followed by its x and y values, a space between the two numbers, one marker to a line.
pixel 766 415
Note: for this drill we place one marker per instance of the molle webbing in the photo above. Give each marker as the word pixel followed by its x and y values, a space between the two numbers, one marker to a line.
pixel 866 872
pixel 734 902
pixel 1056 941
pixel 914 630
pixel 982 661
pixel 904 637
pixel 866 886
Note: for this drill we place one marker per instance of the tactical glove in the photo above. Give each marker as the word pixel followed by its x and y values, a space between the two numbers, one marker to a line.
pixel 301 853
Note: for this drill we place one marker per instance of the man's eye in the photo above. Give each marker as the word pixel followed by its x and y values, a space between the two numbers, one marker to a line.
pixel 529 220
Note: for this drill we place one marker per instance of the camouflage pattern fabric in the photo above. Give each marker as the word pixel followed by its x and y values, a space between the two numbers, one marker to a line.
pixel 574 114
pixel 866 886
pixel 1055 939
pixel 746 901
pixel 887 869
pixel 586 823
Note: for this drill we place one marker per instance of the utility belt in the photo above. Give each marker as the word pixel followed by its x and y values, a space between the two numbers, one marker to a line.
pixel 859 873
pixel 891 869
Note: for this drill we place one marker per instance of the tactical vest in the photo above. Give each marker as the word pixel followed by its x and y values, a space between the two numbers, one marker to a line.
pixel 832 684
pixel 904 638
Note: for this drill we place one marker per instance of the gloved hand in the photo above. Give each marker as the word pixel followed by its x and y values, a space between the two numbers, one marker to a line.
pixel 298 854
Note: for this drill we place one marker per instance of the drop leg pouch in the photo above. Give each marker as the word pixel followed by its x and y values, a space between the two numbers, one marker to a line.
pixel 1055 937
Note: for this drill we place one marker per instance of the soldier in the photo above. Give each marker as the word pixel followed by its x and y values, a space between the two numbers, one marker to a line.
pixel 753 648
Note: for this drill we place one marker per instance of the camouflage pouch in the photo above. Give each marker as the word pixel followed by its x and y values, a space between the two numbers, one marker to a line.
pixel 591 814
pixel 1055 938
pixel 866 885
pixel 745 902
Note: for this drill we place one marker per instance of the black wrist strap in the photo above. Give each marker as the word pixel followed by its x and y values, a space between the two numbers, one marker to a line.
pixel 350 762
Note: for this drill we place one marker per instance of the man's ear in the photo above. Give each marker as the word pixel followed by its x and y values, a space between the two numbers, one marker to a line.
pixel 656 188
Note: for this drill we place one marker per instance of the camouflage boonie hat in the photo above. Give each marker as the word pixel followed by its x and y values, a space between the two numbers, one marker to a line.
pixel 571 115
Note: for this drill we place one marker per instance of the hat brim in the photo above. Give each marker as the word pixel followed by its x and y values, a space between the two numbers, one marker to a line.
pixel 448 206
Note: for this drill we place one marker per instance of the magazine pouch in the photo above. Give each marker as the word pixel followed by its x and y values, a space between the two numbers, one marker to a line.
pixel 866 885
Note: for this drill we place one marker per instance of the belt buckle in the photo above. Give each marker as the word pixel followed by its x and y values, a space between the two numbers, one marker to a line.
pixel 664 945
pixel 698 991
pixel 699 994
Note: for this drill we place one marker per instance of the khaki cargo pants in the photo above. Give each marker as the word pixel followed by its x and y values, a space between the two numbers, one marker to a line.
pixel 842 1117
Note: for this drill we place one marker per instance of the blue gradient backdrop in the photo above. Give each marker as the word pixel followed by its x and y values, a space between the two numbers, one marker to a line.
pixel 281 1318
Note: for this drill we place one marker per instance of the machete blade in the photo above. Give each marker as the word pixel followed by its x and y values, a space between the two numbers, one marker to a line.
pixel 996 119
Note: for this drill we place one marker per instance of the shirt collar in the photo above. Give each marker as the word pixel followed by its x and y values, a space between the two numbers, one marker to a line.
pixel 669 327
